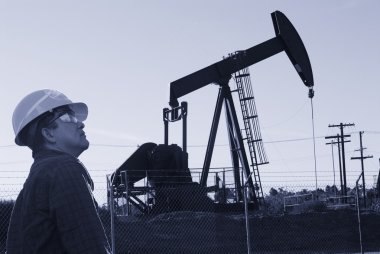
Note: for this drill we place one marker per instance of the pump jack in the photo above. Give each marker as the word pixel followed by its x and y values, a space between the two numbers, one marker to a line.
pixel 140 164
pixel 286 39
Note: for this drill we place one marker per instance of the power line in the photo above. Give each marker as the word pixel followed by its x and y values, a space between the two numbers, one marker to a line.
pixel 292 140
pixel 266 142
pixel 114 145
pixel 7 146
pixel 137 145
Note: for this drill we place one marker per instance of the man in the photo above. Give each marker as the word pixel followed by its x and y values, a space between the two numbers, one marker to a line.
pixel 55 211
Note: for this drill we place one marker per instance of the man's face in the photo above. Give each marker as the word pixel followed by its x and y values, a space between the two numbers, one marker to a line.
pixel 69 135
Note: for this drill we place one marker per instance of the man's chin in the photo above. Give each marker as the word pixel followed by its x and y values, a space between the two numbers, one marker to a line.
pixel 86 144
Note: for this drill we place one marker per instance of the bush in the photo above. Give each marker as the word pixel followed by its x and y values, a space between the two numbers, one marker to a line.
pixel 376 206
pixel 274 205
pixel 310 207
pixel 274 202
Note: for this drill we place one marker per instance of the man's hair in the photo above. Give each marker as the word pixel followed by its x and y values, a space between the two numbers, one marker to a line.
pixel 32 136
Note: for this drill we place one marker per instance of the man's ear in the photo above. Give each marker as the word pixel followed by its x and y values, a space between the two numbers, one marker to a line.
pixel 48 135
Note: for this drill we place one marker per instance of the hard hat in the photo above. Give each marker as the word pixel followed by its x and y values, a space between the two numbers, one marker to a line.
pixel 40 102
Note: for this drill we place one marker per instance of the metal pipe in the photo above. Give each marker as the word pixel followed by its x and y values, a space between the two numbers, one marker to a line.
pixel 211 140
pixel 224 186
pixel 230 108
pixel 166 126
pixel 234 155
pixel 126 191
pixel 184 126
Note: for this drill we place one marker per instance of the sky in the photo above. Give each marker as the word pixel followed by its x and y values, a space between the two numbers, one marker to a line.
pixel 119 57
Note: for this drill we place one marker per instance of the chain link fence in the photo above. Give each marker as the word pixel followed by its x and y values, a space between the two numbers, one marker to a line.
pixel 191 219
pixel 187 218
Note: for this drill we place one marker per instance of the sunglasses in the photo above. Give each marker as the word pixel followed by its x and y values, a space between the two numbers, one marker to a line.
pixel 66 117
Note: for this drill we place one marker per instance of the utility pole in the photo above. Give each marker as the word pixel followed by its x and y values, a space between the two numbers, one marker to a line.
pixel 333 163
pixel 341 126
pixel 340 168
pixel 343 181
pixel 361 158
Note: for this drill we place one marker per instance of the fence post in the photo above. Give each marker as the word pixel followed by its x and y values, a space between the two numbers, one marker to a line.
pixel 224 187
pixel 126 192
pixel 111 206
pixel 246 213
pixel 358 209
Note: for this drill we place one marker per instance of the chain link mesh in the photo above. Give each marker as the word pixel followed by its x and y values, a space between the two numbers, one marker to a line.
pixel 191 219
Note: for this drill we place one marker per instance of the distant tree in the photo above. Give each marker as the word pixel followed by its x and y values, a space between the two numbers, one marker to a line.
pixel 331 190
pixel 284 192
pixel 371 193
pixel 273 192
pixel 319 190
pixel 353 190
pixel 334 189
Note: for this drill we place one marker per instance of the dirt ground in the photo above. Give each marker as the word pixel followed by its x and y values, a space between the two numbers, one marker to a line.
pixel 202 232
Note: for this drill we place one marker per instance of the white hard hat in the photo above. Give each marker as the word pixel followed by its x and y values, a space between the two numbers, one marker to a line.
pixel 39 102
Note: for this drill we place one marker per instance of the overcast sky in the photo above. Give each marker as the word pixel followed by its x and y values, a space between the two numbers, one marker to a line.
pixel 120 56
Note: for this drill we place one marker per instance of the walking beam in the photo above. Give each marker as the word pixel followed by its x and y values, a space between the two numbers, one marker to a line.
pixel 287 39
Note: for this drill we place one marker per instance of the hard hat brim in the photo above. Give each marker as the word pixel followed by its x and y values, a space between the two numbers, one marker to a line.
pixel 80 109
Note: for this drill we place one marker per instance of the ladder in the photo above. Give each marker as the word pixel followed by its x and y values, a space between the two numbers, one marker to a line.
pixel 251 127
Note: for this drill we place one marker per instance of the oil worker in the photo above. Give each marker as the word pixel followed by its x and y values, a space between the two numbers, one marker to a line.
pixel 55 211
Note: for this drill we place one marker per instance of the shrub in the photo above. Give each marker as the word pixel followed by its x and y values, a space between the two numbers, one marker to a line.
pixel 274 205
pixel 310 206
pixel 376 206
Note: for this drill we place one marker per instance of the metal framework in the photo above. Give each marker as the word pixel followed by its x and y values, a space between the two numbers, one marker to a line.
pixel 286 39
pixel 135 167
pixel 251 126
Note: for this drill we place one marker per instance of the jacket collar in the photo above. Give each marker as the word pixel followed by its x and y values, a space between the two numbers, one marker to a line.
pixel 43 153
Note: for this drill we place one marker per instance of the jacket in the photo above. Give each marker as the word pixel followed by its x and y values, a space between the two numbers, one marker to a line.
pixel 55 211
